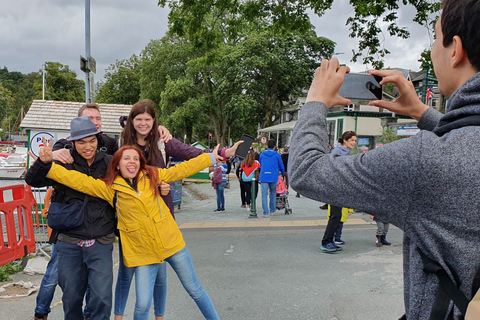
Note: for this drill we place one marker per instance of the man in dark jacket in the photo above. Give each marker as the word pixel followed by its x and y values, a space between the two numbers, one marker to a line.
pixel 426 185
pixel 85 251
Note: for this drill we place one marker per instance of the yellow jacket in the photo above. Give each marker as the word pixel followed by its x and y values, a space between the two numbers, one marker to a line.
pixel 345 213
pixel 148 231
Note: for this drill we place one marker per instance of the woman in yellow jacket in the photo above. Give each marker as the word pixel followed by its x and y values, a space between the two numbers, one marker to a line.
pixel 149 233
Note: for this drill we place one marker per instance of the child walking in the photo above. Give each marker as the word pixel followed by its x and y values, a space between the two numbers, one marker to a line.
pixel 382 230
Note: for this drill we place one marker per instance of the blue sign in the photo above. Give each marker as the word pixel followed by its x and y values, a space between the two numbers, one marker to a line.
pixel 363 141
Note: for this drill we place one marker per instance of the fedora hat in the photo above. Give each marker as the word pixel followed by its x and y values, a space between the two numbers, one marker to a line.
pixel 82 127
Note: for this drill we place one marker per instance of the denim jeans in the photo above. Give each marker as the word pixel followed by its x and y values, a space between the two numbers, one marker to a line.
pixel 269 188
pixel 144 285
pixel 221 196
pixel 79 267
pixel 124 281
pixel 150 281
pixel 47 287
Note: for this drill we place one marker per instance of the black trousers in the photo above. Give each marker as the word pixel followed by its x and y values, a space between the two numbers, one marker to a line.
pixel 332 225
pixel 243 193
pixel 248 189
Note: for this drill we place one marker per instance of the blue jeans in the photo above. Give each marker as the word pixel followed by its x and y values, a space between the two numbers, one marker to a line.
pixel 47 287
pixel 79 267
pixel 124 281
pixel 269 188
pixel 221 196
pixel 151 280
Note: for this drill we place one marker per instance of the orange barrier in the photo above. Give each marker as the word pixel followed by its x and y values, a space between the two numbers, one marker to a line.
pixel 16 222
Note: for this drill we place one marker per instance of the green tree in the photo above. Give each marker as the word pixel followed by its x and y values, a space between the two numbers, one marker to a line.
pixel 192 19
pixel 238 72
pixel 121 82
pixel 426 61
pixel 61 84
pixel 6 102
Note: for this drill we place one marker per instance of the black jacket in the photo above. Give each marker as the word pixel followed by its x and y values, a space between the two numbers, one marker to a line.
pixel 99 215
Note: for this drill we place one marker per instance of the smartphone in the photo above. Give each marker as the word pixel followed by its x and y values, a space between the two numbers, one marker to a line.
pixel 243 148
pixel 361 86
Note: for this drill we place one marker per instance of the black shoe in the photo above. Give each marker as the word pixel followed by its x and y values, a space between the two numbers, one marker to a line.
pixel 383 240
pixel 243 206
pixel 298 195
pixel 324 207
pixel 217 210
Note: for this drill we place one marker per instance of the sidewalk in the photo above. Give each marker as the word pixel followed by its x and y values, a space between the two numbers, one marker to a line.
pixel 196 213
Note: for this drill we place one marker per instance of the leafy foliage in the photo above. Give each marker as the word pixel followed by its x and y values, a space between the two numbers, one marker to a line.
pixel 121 82
pixel 61 84
pixel 8 269
pixel 388 136
pixel 190 19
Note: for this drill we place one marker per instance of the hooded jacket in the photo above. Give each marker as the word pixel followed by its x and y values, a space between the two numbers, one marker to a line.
pixel 270 164
pixel 426 185
pixel 148 231
pixel 99 215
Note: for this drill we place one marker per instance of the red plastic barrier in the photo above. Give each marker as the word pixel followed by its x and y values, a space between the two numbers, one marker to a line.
pixel 18 240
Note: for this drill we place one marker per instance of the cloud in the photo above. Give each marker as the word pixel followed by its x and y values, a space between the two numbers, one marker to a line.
pixel 36 31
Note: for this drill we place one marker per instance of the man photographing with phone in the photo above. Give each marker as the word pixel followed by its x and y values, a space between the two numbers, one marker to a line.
pixel 426 185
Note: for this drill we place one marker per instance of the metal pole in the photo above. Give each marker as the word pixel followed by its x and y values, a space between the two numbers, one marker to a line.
pixel 253 206
pixel 87 50
pixel 43 82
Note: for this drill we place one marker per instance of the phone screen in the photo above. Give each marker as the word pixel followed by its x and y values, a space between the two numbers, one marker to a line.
pixel 361 86
pixel 243 148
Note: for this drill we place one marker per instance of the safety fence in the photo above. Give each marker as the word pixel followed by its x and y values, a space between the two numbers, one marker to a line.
pixel 17 210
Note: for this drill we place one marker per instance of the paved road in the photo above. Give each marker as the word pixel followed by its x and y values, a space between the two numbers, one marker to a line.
pixel 271 268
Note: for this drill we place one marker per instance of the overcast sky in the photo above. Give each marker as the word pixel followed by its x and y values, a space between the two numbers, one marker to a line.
pixel 35 31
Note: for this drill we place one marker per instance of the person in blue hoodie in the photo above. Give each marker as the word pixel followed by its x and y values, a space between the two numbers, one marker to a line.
pixel 270 164
pixel 346 142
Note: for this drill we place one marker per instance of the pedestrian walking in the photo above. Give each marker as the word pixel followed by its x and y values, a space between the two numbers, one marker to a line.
pixel 382 230
pixel 270 166
pixel 219 181
pixel 249 168
pixel 346 142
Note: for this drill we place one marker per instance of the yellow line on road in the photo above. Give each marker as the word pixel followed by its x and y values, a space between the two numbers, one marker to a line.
pixel 265 223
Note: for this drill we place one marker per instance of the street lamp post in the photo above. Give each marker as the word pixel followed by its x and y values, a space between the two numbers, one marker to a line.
pixel 253 205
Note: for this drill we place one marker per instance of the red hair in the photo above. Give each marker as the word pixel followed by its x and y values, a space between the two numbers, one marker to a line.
pixel 150 171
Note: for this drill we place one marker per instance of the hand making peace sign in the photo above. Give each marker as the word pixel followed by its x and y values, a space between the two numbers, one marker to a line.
pixel 45 153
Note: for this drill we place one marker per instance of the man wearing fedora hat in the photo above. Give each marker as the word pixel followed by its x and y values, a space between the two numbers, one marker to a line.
pixel 85 251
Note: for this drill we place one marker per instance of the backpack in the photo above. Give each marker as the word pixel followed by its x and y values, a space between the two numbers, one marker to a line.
pixel 249 177
pixel 217 175
pixel 449 291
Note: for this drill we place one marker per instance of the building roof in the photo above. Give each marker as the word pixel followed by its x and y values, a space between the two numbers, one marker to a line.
pixel 56 115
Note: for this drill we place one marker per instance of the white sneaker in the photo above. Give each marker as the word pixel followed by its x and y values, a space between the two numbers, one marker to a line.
pixel 248 208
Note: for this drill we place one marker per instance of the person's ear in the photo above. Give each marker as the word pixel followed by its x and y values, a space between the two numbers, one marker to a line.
pixel 458 54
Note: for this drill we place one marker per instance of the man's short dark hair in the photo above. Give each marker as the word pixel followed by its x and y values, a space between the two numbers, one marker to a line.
pixel 462 18
pixel 271 144
pixel 88 106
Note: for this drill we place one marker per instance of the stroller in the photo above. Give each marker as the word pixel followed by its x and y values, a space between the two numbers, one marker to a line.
pixel 281 199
